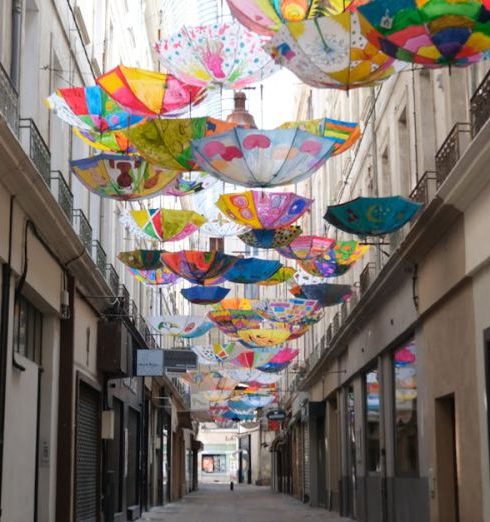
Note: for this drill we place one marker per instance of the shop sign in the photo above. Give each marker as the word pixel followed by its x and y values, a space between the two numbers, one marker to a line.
pixel 149 363
pixel 276 415
pixel 179 360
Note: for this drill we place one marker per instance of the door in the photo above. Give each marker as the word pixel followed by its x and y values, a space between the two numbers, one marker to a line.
pixel 352 443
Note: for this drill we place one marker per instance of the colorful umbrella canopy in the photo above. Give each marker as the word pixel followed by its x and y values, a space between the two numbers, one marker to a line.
pixel 252 376
pixel 280 361
pixel 331 52
pixel 266 16
pixel 237 416
pixel 223 54
pixel 306 247
pixel 343 133
pixel 142 259
pixel 281 276
pixel 90 108
pixel 430 32
pixel 187 183
pixel 216 353
pixel 252 358
pixel 205 295
pixel 231 322
pixel 263 209
pixel 244 402
pixel 372 216
pixel 167 143
pixel 252 270
pixel 216 395
pixel 270 237
pixel 110 141
pixel 197 267
pixel 148 93
pixel 348 252
pixel 122 177
pixel 293 311
pixel 262 337
pixel 326 294
pixel 324 266
pixel 262 158
pixel 303 278
pixel 235 303
pixel 161 276
pixel 162 224
pixel 185 326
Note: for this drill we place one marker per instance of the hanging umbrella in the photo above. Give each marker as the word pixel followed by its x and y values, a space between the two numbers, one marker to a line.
pixel 324 266
pixel 266 16
pixel 142 259
pixel 326 294
pixel 271 237
pixel 252 376
pixel 343 133
pixel 281 276
pixel 372 216
pixel 293 311
pixel 109 141
pixel 196 267
pixel 148 93
pixel 280 361
pixel 331 52
pixel 263 209
pixel 348 252
pixel 235 303
pixel 187 183
pixel 216 353
pixel 162 224
pixel 252 270
pixel 204 295
pixel 122 177
pixel 167 143
pixel 432 32
pixel 231 322
pixel 185 326
pixel 306 247
pixel 262 337
pixel 236 416
pixel 303 278
pixel 252 358
pixel 295 330
pixel 262 158
pixel 216 395
pixel 161 276
pixel 245 402
pixel 223 54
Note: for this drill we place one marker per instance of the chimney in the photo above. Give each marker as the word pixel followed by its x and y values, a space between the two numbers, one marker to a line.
pixel 240 115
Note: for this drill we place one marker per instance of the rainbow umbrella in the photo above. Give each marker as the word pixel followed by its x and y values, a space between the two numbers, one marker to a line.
pixel 162 224
pixel 262 158
pixel 222 54
pixel 148 93
pixel 167 142
pixel 306 247
pixel 293 311
pixel 263 337
pixel 270 238
pixel 429 32
pixel 185 326
pixel 161 276
pixel 252 270
pixel 281 276
pixel 122 177
pixel 326 294
pixel 263 209
pixel 204 295
pixel 142 259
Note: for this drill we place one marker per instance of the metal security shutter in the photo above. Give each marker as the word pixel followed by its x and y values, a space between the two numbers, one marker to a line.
pixel 306 461
pixel 87 461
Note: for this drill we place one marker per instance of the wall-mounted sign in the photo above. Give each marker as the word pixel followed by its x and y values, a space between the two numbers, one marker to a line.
pixel 276 415
pixel 149 363
pixel 179 360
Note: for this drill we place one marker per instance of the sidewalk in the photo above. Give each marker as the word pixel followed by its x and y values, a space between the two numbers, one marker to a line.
pixel 216 503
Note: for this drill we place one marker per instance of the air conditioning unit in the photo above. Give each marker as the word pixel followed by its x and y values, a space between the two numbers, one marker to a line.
pixel 114 348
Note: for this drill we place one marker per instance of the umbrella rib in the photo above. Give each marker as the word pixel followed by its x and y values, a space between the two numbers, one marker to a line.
pixel 287 156
pixel 235 130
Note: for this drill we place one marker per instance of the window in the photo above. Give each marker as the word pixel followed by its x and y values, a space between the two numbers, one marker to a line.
pixel 214 463
pixel 405 379
pixel 216 244
pixel 28 330
pixel 372 398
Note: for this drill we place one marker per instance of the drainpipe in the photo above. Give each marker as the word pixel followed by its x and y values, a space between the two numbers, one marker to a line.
pixel 16 42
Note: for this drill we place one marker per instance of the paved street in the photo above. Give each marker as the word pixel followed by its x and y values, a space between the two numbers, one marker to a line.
pixel 216 503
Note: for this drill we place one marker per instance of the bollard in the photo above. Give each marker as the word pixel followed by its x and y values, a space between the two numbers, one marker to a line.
pixel 232 485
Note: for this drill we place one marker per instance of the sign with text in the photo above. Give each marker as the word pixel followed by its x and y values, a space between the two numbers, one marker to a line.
pixel 276 415
pixel 149 363
pixel 179 360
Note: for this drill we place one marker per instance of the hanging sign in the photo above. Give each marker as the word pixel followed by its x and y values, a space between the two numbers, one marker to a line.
pixel 179 360
pixel 276 415
pixel 149 363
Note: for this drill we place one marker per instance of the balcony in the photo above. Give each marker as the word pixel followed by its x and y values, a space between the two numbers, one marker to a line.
pixel 329 334
pixel 480 105
pixel 62 193
pixel 34 144
pixel 344 312
pixel 99 256
pixel 425 189
pixel 82 228
pixel 124 299
pixel 336 323
pixel 367 277
pixel 112 278
pixel 9 101
pixel 451 150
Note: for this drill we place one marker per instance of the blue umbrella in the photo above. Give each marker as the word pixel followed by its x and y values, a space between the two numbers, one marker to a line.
pixel 205 294
pixel 252 270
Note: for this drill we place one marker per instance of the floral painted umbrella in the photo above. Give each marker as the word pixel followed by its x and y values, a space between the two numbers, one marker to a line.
pixel 263 337
pixel 223 54
pixel 306 247
pixel 252 270
pixel 430 32
pixel 271 237
pixel 281 276
pixel 331 52
pixel 185 326
pixel 266 16
pixel 204 295
pixel 231 322
pixel 159 277
pixel 260 210
pixel 326 294
pixel 162 224
pixel 167 142
pixel 217 353
pixel 197 267
pixel 293 311
pixel 142 259
pixel 262 158
pixel 148 93
pixel 111 142
pixel 122 177
pixel 372 216
pixel 187 183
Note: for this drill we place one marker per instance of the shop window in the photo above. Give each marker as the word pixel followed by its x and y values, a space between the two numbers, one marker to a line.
pixel 28 330
pixel 214 463
pixel 372 405
pixel 405 389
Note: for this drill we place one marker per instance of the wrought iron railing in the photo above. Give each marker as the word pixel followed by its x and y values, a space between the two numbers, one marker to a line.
pixel 82 228
pixel 9 101
pixel 425 188
pixel 367 277
pixel 329 334
pixel 133 311
pixel 36 146
pixel 344 312
pixel 99 256
pixel 480 105
pixel 62 193
pixel 336 323
pixel 112 278
pixel 451 150
pixel 354 299
pixel 124 299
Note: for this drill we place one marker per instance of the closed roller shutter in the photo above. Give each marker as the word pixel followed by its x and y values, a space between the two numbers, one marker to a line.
pixel 87 462
pixel 306 461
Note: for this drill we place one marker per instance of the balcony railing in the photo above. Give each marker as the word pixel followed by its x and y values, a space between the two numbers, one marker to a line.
pixel 124 299
pixel 133 311
pixel 9 101
pixel 344 312
pixel 34 143
pixel 480 105
pixel 82 228
pixel 99 256
pixel 112 278
pixel 451 150
pixel 367 277
pixel 426 188
pixel 329 334
pixel 353 300
pixel 336 323
pixel 62 193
